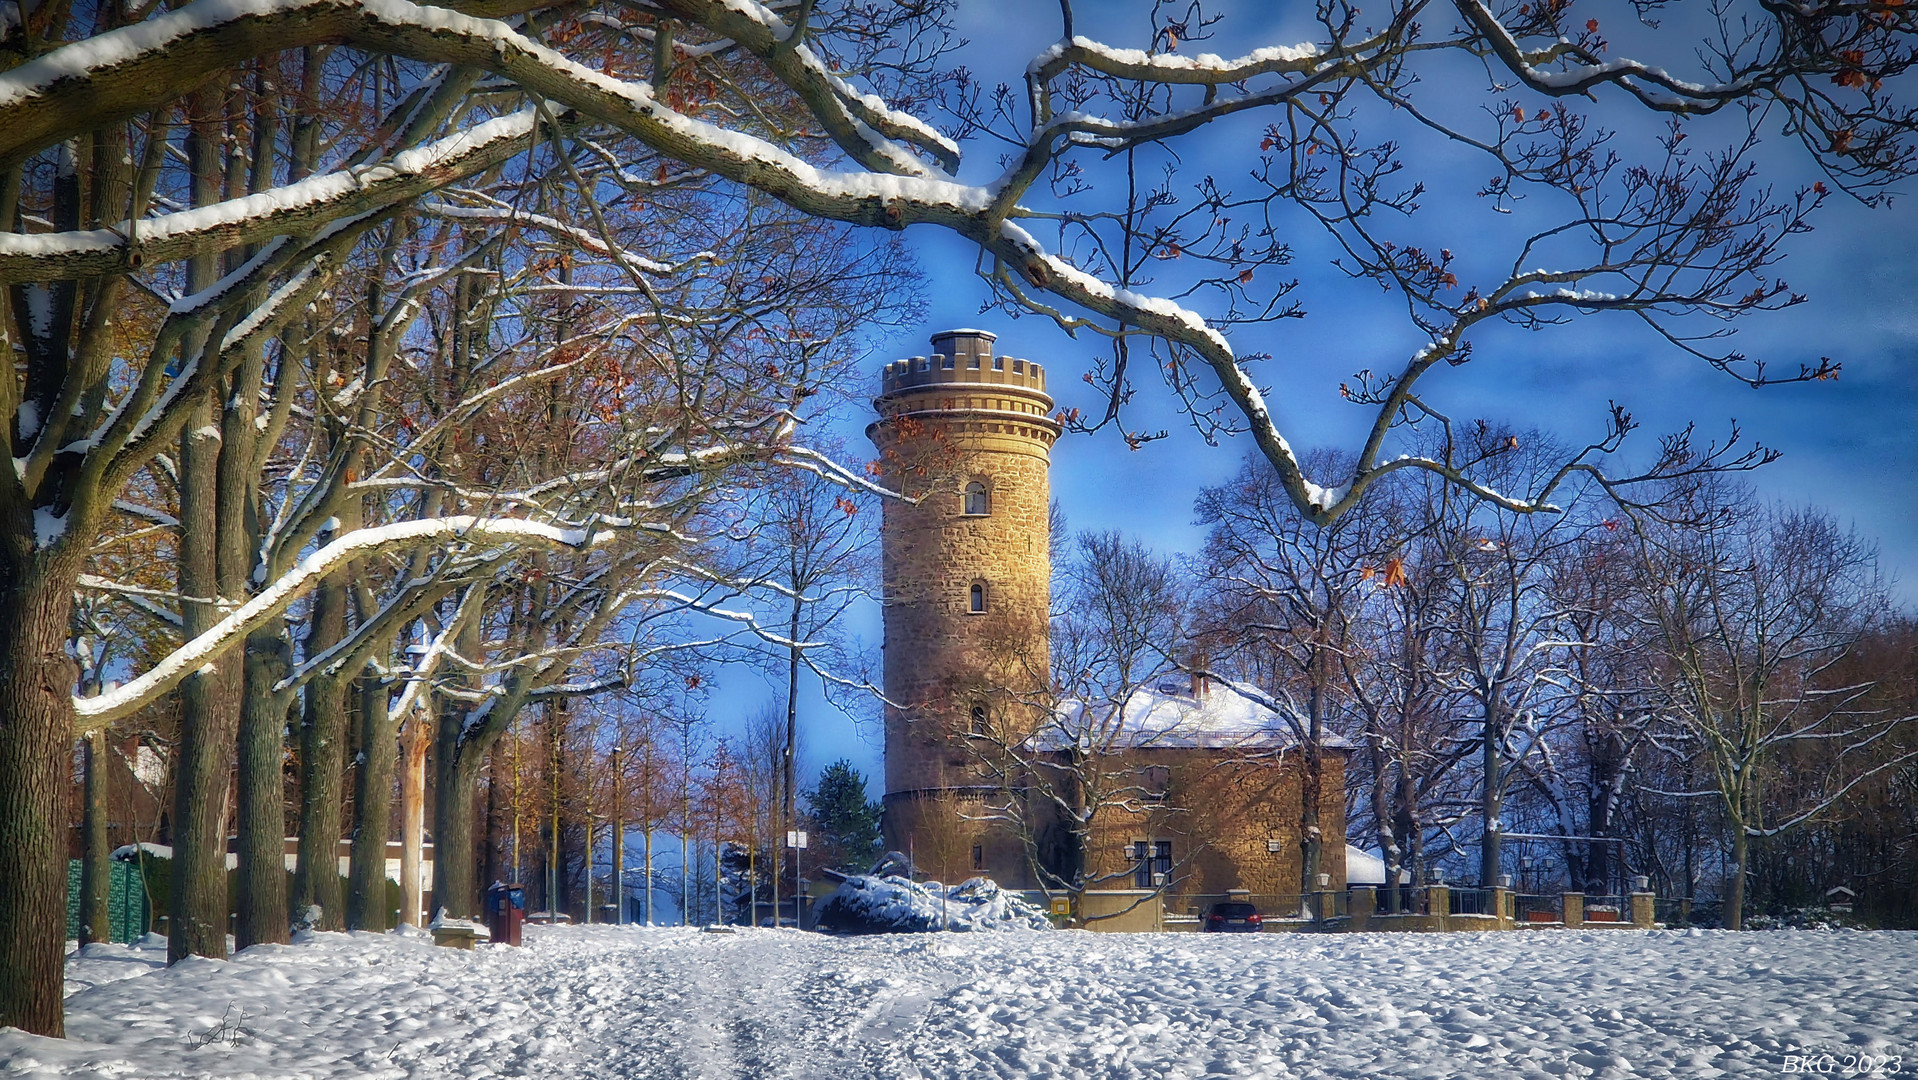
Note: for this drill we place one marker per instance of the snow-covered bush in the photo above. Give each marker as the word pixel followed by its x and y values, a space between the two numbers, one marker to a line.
pixel 1807 918
pixel 889 903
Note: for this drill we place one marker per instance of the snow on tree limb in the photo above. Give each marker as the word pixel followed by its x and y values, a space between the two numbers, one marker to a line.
pixel 1635 78
pixel 301 206
pixel 423 669
pixel 232 629
pixel 867 129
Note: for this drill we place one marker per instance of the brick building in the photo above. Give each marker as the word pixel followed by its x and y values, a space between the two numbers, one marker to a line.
pixel 1222 794
pixel 968 434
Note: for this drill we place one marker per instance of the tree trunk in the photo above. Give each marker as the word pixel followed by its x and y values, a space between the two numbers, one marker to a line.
pixel 789 808
pixel 209 699
pixel 1412 828
pixel 262 818
pixel 574 844
pixel 37 678
pixel 1312 783
pixel 456 789
pixel 1606 765
pixel 373 798
pixel 1389 850
pixel 414 741
pixel 208 726
pixel 209 715
pixel 1311 835
pixel 316 878
pixel 1490 853
pixel 1735 878
pixel 96 867
pixel 493 852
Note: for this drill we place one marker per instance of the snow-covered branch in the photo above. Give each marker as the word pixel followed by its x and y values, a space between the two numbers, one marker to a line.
pixel 270 602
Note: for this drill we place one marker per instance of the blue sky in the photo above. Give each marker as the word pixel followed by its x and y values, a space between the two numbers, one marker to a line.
pixel 1850 445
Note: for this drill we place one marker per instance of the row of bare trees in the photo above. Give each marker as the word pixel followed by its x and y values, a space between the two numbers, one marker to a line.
pixel 662 815
pixel 1689 683
pixel 1660 689
pixel 388 483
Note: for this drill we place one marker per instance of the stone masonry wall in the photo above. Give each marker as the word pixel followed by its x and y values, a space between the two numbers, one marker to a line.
pixel 1220 810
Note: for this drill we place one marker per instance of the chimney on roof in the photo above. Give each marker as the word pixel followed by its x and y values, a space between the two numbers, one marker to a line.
pixel 1195 663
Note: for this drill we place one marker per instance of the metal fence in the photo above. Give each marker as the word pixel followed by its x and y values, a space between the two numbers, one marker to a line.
pixel 1270 906
pixel 1538 908
pixel 1678 911
pixel 1404 900
pixel 1473 902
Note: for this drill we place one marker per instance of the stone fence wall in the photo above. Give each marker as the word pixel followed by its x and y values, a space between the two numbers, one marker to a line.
pixel 1427 909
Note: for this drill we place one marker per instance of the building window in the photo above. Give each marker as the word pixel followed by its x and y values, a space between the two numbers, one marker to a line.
pixel 978 856
pixel 1151 863
pixel 1155 779
pixel 979 726
pixel 977 503
pixel 976 599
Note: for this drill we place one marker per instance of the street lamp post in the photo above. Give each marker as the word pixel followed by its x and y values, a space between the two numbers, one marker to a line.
pixel 619 849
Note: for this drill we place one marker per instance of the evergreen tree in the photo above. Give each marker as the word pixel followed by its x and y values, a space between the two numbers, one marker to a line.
pixel 845 822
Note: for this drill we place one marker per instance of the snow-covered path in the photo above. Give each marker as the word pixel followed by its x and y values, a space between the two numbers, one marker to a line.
pixel 607 1002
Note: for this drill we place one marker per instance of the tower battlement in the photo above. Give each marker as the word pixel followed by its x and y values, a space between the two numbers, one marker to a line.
pixel 962 357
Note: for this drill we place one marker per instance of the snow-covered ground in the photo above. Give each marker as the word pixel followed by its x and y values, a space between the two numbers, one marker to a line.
pixel 627 1002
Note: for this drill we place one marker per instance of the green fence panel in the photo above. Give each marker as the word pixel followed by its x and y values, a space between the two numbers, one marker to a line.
pixel 73 899
pixel 128 913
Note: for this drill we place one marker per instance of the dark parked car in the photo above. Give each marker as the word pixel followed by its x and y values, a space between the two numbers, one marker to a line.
pixel 1233 917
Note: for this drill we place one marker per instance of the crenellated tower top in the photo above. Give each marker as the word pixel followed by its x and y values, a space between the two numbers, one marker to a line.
pixel 990 402
pixel 963 356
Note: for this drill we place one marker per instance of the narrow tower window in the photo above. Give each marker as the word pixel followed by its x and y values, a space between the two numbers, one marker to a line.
pixel 979 718
pixel 976 600
pixel 976 501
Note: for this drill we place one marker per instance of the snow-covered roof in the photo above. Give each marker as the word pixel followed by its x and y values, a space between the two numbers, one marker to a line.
pixel 131 852
pixel 1175 710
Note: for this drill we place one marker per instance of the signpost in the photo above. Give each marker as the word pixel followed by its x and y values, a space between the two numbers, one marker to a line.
pixel 797 841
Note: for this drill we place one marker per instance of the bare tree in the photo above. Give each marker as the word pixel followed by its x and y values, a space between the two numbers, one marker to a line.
pixel 816 553
pixel 1506 634
pixel 1281 609
pixel 1055 780
pixel 1753 605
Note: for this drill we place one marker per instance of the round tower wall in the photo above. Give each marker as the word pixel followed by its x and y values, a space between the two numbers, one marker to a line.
pixel 941 431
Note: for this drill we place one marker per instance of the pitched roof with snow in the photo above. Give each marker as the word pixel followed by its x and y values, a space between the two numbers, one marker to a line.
pixel 1175 710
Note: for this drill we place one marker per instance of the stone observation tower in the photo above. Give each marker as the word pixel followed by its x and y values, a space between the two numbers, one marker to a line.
pixel 969 435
